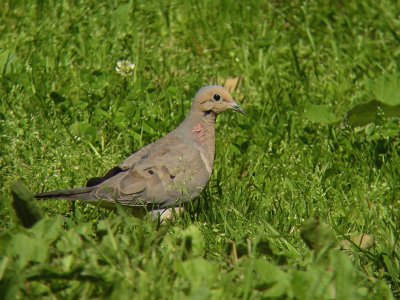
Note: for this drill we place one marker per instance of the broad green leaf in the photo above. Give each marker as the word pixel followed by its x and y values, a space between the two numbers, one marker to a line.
pixel 269 272
pixel 200 292
pixel 313 283
pixel 71 241
pixel 198 271
pixel 387 89
pixel 272 276
pixel 321 114
pixel 193 239
pixel 25 248
pixel 25 205
pixel 49 229
pixel 365 113
pixel 199 274
pixel 344 280
pixel 189 242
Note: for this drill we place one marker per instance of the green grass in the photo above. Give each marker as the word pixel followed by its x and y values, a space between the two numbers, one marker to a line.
pixel 66 115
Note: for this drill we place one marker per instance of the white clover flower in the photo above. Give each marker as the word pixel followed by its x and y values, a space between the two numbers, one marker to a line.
pixel 124 67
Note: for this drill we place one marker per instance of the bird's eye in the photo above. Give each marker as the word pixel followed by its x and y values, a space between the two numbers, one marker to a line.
pixel 217 97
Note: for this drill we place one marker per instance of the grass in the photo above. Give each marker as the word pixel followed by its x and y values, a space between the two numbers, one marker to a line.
pixel 66 115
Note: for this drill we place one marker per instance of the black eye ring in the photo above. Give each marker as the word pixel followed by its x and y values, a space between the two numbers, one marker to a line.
pixel 217 97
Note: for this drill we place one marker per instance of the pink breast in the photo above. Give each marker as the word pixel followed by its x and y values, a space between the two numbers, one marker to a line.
pixel 199 132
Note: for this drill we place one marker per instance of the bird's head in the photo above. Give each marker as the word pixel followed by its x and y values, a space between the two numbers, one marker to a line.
pixel 216 99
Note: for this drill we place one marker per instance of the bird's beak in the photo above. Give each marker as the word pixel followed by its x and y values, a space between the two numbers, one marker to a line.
pixel 237 108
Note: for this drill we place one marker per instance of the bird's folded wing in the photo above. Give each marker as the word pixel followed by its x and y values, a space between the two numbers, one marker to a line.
pixel 152 149
pixel 162 177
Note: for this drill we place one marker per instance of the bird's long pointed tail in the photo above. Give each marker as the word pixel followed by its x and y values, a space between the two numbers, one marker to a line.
pixel 83 193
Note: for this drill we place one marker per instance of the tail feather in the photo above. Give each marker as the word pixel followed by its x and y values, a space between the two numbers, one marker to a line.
pixel 73 194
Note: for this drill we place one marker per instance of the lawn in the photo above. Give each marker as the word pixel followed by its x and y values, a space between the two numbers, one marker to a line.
pixel 315 161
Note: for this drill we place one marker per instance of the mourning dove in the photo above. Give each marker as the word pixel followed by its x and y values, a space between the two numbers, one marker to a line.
pixel 167 173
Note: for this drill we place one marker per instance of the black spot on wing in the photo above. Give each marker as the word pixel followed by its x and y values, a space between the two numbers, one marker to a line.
pixel 97 180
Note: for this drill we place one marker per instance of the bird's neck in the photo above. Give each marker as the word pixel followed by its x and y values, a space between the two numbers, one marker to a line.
pixel 199 127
